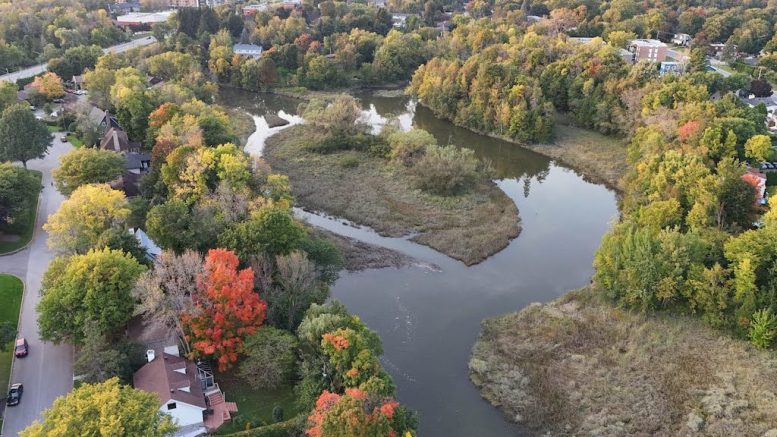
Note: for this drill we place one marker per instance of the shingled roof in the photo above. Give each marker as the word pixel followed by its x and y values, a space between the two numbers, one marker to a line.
pixel 163 376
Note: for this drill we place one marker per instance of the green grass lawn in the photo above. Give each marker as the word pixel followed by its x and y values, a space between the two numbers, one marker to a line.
pixel 11 297
pixel 26 227
pixel 74 140
pixel 53 129
pixel 254 406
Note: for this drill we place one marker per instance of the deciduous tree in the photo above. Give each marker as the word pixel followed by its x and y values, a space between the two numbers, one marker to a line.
pixel 22 137
pixel 270 358
pixel 226 309
pixel 105 409
pixel 91 287
pixel 87 166
pixel 85 216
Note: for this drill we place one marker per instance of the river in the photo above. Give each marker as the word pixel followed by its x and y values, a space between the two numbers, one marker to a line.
pixel 429 319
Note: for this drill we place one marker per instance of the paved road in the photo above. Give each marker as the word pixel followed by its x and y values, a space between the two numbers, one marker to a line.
pixel 47 372
pixel 38 69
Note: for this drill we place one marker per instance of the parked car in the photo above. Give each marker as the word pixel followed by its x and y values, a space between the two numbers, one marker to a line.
pixel 14 395
pixel 22 348
pixel 59 100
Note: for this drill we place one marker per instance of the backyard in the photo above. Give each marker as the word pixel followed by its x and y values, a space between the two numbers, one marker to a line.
pixel 254 406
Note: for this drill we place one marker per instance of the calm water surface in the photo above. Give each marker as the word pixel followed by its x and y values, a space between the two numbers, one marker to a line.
pixel 429 319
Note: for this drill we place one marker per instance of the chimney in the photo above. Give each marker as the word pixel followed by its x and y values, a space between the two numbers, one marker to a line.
pixel 150 355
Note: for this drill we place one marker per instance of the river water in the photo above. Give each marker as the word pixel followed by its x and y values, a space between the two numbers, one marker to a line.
pixel 429 319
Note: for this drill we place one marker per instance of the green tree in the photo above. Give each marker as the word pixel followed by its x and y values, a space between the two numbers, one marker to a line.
pixel 7 95
pixel 99 359
pixel 105 409
pixel 446 170
pixel 758 147
pixel 409 147
pixel 22 137
pixel 763 329
pixel 270 231
pixel 18 190
pixel 170 225
pixel 87 166
pixel 92 287
pixel 270 358
pixel 698 61
pixel 85 216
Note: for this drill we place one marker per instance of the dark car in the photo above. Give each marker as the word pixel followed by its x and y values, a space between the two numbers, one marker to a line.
pixel 14 395
pixel 22 348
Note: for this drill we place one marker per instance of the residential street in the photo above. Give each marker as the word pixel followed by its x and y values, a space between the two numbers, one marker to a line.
pixel 38 69
pixel 47 372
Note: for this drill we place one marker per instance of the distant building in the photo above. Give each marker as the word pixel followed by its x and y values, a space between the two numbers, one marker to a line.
pixel 681 39
pixel 102 119
pixel 250 10
pixel 186 3
pixel 139 20
pixel 399 20
pixel 717 49
pixel 670 67
pixel 247 50
pixel 651 50
pixel 78 82
pixel 626 55
pixel 585 40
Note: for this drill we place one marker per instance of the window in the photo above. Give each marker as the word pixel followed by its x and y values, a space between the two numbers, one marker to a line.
pixel 171 406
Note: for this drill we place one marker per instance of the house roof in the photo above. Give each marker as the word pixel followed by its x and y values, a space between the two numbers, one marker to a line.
pixel 162 376
pixel 246 48
pixel 133 160
pixel 116 139
pixel 96 115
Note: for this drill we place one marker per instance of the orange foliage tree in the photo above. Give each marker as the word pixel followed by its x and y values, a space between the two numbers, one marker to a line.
pixel 226 309
pixel 355 414
pixel 49 85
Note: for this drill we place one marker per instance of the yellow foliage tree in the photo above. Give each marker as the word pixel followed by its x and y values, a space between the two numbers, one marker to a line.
pixel 89 212
pixel 50 85
pixel 105 409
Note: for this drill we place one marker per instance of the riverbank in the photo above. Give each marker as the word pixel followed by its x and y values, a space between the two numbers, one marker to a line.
pixel 598 157
pixel 366 190
pixel 358 255
pixel 580 366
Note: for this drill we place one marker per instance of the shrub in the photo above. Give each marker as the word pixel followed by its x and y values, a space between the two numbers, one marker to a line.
pixel 446 170
pixel 409 147
pixel 349 161
pixel 762 328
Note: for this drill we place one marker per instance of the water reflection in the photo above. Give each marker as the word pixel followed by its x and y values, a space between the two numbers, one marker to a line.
pixel 429 319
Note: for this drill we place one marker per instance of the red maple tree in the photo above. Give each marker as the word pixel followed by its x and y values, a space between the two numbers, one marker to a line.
pixel 226 309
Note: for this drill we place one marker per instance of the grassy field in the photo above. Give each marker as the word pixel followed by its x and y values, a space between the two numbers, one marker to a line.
pixel 74 140
pixel 26 227
pixel 579 366
pixel 366 190
pixel 11 289
pixel 254 406
pixel 597 156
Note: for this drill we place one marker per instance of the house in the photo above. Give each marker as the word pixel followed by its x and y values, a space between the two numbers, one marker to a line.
pixel 247 50
pixel 648 50
pixel 671 67
pixel 758 181
pixel 116 139
pixel 142 20
pixel 717 49
pixel 102 119
pixel 681 39
pixel 399 20
pixel 186 391
pixel 137 163
pixel 152 250
pixel 78 82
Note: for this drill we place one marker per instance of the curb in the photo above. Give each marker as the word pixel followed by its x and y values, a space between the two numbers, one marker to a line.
pixel 34 230
pixel 13 356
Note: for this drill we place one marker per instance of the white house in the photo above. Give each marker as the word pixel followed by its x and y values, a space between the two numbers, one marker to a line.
pixel 681 39
pixel 185 391
pixel 174 381
pixel 247 50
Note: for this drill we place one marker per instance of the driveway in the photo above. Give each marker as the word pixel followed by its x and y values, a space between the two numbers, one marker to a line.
pixel 47 372
pixel 41 68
